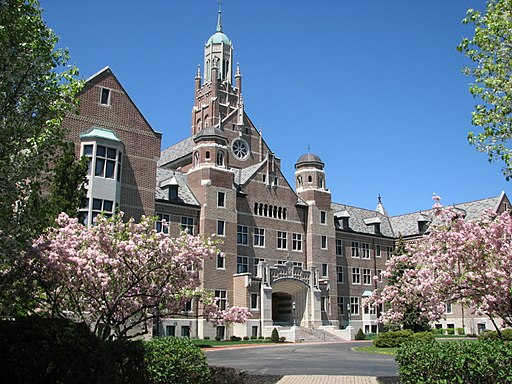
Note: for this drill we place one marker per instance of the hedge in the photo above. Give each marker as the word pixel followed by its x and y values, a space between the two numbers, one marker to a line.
pixel 475 362
pixel 396 338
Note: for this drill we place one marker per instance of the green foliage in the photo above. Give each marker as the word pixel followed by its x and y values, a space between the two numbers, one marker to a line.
pixel 37 88
pixel 506 335
pixel 235 338
pixel 246 337
pixel 126 359
pixel 455 362
pixel 395 339
pixel 360 335
pixel 275 336
pixel 39 350
pixel 171 360
pixel 450 331
pixel 459 331
pixel 490 51
pixel 206 338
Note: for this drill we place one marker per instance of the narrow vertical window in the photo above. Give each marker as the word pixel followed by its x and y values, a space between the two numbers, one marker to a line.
pixel 105 96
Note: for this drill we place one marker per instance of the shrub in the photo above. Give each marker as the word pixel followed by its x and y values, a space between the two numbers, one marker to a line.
pixel 127 360
pixel 235 338
pixel 459 331
pixel 173 360
pixel 218 338
pixel 246 337
pixel 392 339
pixel 42 350
pixel 425 337
pixel 282 339
pixel 437 331
pixel 254 337
pixel 225 375
pixel 275 336
pixel 360 335
pixel 261 338
pixel 206 338
pixel 450 331
pixel 455 362
pixel 506 335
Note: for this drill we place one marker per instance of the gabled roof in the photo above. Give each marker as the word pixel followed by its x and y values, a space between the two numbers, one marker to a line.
pixel 185 195
pixel 363 220
pixel 176 151
pixel 107 71
pixel 407 224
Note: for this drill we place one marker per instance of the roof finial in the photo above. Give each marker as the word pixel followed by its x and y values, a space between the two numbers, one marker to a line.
pixel 380 199
pixel 219 17
pixel 309 148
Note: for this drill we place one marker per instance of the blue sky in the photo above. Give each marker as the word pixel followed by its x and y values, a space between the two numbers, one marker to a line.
pixel 373 87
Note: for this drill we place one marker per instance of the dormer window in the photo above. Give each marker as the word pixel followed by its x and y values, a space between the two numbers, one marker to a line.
pixel 105 96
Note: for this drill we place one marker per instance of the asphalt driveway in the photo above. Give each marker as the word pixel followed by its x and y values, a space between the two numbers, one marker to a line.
pixel 305 359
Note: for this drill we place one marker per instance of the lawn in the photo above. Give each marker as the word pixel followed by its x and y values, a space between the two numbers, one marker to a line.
pixel 214 343
pixel 374 349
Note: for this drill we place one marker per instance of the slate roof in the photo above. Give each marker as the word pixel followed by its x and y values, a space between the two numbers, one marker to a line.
pixel 407 224
pixel 358 216
pixel 176 151
pixel 185 195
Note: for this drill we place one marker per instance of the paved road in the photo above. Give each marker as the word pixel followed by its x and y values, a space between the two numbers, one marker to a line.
pixel 305 359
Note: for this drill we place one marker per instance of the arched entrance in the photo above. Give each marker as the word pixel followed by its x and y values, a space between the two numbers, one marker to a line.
pixel 282 308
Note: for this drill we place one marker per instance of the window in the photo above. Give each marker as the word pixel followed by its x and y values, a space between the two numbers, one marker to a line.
pixel 324 242
pixel 105 96
pixel 188 306
pixel 354 305
pixel 365 250
pixel 220 159
pixel 254 331
pixel 102 206
pixel 162 223
pixel 221 228
pixel 297 242
pixel 242 264
pixel 378 251
pixel 341 305
pixel 259 237
pixel 323 303
pixel 281 262
pixel 241 235
pixel 281 240
pixel 187 225
pixel 254 301
pixel 323 217
pixel 221 199
pixel 298 264
pixel 325 270
pixel 170 330
pixel 105 161
pixel 339 247
pixel 367 276
pixel 220 332
pixel 379 275
pixel 221 261
pixel 256 262
pixel 355 249
pixel 221 299
pixel 356 276
pixel 339 274
pixel 389 251
pixel 448 308
pixel 185 331
pixel 370 310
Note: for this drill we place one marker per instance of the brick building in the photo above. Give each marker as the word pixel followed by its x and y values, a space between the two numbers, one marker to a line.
pixel 289 253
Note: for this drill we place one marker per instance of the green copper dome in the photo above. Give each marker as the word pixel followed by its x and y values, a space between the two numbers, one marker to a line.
pixel 218 38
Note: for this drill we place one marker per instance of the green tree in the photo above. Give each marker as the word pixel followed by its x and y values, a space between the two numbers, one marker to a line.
pixel 37 87
pixel 490 50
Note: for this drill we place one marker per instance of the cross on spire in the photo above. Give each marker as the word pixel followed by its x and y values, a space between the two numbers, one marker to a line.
pixel 219 17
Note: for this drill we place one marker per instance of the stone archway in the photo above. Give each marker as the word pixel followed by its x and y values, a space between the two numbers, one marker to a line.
pixel 289 301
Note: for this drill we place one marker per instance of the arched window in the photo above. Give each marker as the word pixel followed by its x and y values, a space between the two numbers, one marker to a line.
pixel 206 121
pixel 270 210
pixel 310 179
pixel 207 156
pixel 255 208
pixel 284 213
pixel 265 210
pixel 260 209
pixel 299 181
pixel 196 158
pixel 207 70
pixel 220 159
pixel 320 181
pixel 279 212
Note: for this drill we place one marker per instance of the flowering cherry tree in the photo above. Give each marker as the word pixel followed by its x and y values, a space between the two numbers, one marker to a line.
pixel 119 276
pixel 458 261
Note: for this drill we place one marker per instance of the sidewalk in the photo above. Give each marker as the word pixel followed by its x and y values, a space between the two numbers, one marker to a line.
pixel 318 379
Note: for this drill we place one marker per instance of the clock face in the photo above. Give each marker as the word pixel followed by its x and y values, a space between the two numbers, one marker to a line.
pixel 240 149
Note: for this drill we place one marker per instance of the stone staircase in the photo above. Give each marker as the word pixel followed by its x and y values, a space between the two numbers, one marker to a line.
pixel 305 334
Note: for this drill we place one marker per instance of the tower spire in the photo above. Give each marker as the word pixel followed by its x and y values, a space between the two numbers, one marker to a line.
pixel 219 17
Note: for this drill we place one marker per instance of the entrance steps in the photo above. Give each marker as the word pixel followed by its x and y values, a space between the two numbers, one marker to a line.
pixel 305 334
